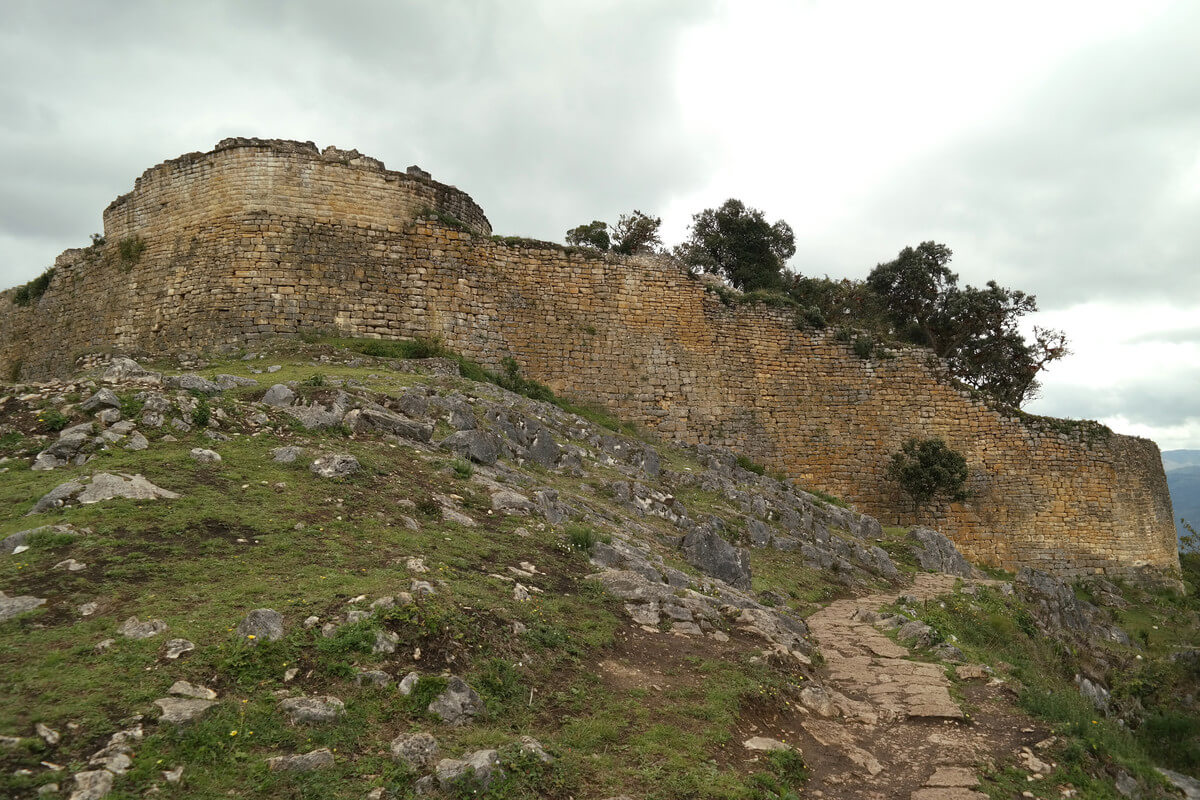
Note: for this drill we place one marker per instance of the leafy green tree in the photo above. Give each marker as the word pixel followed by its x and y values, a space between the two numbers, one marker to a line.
pixel 594 234
pixel 926 468
pixel 974 330
pixel 636 233
pixel 739 243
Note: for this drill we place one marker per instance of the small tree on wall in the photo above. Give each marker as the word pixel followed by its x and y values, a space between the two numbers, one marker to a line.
pixel 926 468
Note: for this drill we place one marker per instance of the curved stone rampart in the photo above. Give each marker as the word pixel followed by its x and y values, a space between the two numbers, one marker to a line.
pixel 259 239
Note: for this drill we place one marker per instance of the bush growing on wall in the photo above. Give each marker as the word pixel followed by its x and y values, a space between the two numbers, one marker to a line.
pixel 925 468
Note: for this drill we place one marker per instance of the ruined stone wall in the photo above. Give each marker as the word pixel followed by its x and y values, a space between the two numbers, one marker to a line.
pixel 258 240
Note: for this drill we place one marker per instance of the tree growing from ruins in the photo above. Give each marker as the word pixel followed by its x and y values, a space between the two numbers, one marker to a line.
pixel 633 233
pixel 594 234
pixel 737 242
pixel 927 468
pixel 974 330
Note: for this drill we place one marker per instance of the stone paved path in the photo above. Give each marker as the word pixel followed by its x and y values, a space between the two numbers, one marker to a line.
pixel 875 685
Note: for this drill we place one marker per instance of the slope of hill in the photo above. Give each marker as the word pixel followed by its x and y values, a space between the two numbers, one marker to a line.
pixel 313 573
pixel 1174 459
pixel 1184 484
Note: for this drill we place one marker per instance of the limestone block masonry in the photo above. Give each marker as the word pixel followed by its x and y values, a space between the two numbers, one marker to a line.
pixel 262 238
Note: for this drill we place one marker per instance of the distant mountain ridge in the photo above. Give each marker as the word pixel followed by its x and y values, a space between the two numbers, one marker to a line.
pixel 1183 481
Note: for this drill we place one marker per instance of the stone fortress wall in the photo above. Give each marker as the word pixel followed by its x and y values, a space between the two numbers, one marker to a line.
pixel 264 238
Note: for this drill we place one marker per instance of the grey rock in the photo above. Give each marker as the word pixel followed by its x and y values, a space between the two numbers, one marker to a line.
pixel 153 419
pixel 233 381
pixel 133 628
pixel 936 553
pixel 479 446
pixel 1053 602
pixel 532 747
pixel 337 465
pixel 417 750
pixel 313 710
pixel 106 486
pixel 1128 786
pixel 205 456
pixel 70 565
pixel 261 623
pixel 1094 692
pixel 413 404
pixel 48 734
pixel 948 652
pixel 317 417
pixel 409 683
pixel 274 368
pixel 760 534
pixel 390 422
pixel 177 647
pixel 123 428
pixel 181 710
pixel 137 442
pixel 109 416
pixel 13 606
pixel 286 455
pixel 704 549
pixel 92 785
pixel 458 704
pixel 511 502
pixel 316 759
pixel 544 450
pixel 916 632
pixel 121 369
pixel 15 540
pixel 105 398
pixel 57 497
pixel 191 382
pixel 374 677
pixel 1189 786
pixel 385 642
pixel 185 689
pixel 480 768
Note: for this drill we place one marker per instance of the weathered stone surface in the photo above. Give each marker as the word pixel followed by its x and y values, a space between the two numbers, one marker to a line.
pixel 192 382
pixel 224 382
pixel 390 422
pixel 261 623
pixel 133 628
pixel 706 550
pixel 12 606
pixel 92 785
pixel 205 456
pixel 316 759
pixel 339 465
pixel 185 689
pixel 458 704
pixel 177 647
pixel 479 446
pixel 286 455
pixel 936 553
pixel 417 750
pixel 764 744
pixel 105 398
pixel 279 395
pixel 481 767
pixel 181 710
pixel 313 710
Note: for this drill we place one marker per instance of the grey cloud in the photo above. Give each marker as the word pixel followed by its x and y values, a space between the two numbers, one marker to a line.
pixel 1079 194
pixel 1171 401
pixel 549 114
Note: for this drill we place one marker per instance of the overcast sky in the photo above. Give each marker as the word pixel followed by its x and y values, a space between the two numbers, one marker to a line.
pixel 1054 146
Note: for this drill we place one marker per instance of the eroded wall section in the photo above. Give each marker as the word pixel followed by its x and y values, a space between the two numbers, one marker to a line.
pixel 258 240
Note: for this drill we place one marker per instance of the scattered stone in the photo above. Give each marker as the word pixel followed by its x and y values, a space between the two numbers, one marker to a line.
pixel 511 503
pixel 532 747
pixel 385 642
pixel 185 689
pixel 181 710
pixel 316 759
pixel 479 446
pixel 137 442
pixel 261 623
pixel 704 549
pixel 374 677
pixel 47 789
pixel 70 565
pixel 482 767
pixel 205 456
pixel 92 785
pixel 936 553
pixel 415 564
pixel 101 399
pixel 818 700
pixel 177 647
pixel 48 734
pixel 12 606
pixel 121 370
pixel 764 744
pixel 133 628
pixel 191 382
pixel 972 672
pixel 409 683
pixel 458 704
pixel 104 486
pixel 233 381
pixel 279 396
pixel 286 455
pixel 11 542
pixel 339 465
pixel 1189 786
pixel 313 709
pixel 1032 763
pixel 109 416
pixel 274 368
pixel 457 517
pixel 380 419
pixel 104 644
pixel 173 775
pixel 417 750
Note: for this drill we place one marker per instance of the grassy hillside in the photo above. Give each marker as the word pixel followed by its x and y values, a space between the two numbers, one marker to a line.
pixel 638 609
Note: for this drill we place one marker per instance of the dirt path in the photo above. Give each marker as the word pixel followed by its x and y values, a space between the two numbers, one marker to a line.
pixel 901 734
